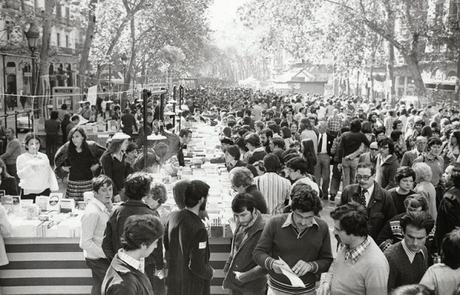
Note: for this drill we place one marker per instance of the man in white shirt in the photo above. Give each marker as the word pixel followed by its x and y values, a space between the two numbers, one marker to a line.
pixel 93 223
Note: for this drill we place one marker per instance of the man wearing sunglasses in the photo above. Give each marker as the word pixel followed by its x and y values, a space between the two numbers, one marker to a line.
pixel 371 156
pixel 369 193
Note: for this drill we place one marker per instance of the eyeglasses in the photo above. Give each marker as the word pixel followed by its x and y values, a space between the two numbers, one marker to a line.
pixel 374 149
pixel 363 177
pixel 384 147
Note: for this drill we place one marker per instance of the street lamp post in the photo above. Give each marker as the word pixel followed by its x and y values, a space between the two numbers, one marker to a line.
pixel 32 38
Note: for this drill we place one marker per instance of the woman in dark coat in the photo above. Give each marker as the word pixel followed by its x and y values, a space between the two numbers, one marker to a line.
pixel 80 159
pixel 308 151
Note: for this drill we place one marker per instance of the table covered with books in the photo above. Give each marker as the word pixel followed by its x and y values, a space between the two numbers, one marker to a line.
pixel 43 249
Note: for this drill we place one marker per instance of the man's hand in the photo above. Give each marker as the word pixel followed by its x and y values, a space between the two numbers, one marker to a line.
pixel 277 265
pixel 324 289
pixel 94 167
pixel 238 275
pixel 66 168
pixel 339 166
pixel 301 268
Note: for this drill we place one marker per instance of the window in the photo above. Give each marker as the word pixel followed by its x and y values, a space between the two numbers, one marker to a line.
pixel 58 39
pixel 58 10
pixel 67 13
pixel 453 9
pixel 67 41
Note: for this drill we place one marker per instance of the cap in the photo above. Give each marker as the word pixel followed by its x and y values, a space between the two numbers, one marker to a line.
pixel 374 145
pixel 120 136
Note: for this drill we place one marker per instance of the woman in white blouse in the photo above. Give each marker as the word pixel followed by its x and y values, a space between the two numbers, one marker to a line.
pixel 35 173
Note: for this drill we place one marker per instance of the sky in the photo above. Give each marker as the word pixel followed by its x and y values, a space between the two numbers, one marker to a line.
pixel 223 11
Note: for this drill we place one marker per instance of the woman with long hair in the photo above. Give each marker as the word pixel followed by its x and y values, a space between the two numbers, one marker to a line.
pixel 7 182
pixel 79 158
pixel 451 150
pixel 113 163
pixel 34 170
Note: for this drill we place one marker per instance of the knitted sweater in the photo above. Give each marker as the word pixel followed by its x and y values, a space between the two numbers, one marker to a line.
pixel 277 241
pixel 369 275
pixel 402 271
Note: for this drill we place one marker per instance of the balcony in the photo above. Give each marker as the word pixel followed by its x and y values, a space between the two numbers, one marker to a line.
pixel 12 4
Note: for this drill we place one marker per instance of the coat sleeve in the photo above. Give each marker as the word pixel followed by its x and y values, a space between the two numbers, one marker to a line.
pixel 391 176
pixel 107 168
pixel 390 209
pixel 264 247
pixel 393 273
pixel 88 224
pixel 197 258
pixel 107 244
pixel 325 257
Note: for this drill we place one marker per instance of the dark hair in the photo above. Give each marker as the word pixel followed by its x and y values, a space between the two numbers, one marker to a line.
pixel 307 201
pixel 379 130
pixel 395 135
pixel 75 117
pixel 28 137
pixel 450 248
pixel 426 131
pixel 195 190
pixel 366 127
pixel 239 142
pixel 253 139
pixel 403 172
pixel 298 163
pixel 179 192
pixel 355 125
pixel 272 163
pixel 84 146
pixel 389 142
pixel 137 185
pixel 279 142
pixel 456 134
pixel 141 230
pixel 184 132
pixel 54 115
pixel 274 127
pixel 368 165
pixel 434 141
pixel 396 122
pixel 353 219
pixel 100 181
pixel 418 219
pixel 242 201
pixel 267 131
pixel 234 151
pixel 286 132
pixel 415 289
pixel 64 106
pixel 131 147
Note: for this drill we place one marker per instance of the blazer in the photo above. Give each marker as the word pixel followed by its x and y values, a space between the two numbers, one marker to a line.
pixel 253 278
pixel 409 157
pixel 330 139
pixel 380 208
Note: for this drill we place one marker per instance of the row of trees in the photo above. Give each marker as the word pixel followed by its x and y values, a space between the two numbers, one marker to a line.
pixel 355 33
pixel 139 37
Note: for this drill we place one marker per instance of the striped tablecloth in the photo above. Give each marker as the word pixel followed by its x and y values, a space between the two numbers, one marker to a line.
pixel 48 266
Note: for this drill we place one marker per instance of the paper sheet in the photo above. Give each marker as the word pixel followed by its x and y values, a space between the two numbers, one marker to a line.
pixel 293 278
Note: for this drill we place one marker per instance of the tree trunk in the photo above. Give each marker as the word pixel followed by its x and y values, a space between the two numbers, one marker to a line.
pixel 414 68
pixel 87 45
pixel 44 53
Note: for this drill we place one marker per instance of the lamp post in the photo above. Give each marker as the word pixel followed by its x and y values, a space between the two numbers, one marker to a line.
pixel 32 38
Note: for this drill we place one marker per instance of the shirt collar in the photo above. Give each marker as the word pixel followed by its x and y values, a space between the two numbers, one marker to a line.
pixel 410 254
pixel 289 221
pixel 355 253
pixel 100 205
pixel 134 263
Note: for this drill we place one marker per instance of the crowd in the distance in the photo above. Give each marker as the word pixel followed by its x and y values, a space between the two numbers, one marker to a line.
pixel 390 171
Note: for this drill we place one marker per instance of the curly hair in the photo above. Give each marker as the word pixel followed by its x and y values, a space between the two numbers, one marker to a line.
pixel 241 176
pixel 353 219
pixel 418 219
pixel 306 201
pixel 137 185
pixel 158 192
pixel 403 172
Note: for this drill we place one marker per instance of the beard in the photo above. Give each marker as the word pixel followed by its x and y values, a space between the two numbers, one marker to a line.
pixel 203 205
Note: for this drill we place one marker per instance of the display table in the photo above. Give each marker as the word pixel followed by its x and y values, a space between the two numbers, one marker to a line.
pixel 57 266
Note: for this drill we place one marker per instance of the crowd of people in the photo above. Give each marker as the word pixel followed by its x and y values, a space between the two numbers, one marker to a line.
pixel 391 171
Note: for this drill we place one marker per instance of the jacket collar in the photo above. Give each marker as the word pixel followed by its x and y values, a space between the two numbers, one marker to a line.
pixel 376 195
pixel 121 266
